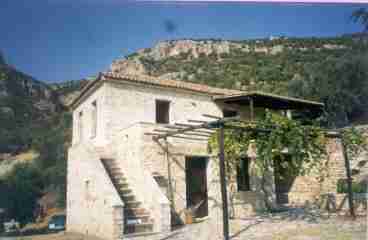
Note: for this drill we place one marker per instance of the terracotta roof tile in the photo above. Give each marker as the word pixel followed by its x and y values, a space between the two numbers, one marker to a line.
pixel 170 83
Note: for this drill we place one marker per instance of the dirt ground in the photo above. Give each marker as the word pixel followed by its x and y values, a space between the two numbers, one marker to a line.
pixel 296 224
pixel 52 236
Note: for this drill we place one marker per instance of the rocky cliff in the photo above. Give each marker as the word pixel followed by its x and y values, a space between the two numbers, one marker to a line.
pixel 25 105
pixel 188 50
pixel 270 63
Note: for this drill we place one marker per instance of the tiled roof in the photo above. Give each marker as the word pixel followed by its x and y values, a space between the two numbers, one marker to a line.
pixel 217 93
pixel 170 83
pixel 149 80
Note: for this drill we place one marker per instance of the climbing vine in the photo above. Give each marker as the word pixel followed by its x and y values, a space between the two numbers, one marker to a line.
pixel 355 141
pixel 298 148
pixel 304 145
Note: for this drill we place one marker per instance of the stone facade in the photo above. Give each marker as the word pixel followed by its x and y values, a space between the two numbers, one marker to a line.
pixel 121 112
pixel 309 188
pixel 115 116
pixel 92 200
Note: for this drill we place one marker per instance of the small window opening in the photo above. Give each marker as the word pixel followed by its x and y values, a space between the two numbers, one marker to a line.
pixel 80 125
pixel 229 113
pixel 162 111
pixel 94 119
pixel 243 175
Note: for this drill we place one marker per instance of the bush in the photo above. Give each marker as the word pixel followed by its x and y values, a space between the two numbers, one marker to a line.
pixel 24 186
pixel 342 186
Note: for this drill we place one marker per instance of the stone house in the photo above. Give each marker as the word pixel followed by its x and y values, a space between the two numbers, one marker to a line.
pixel 120 181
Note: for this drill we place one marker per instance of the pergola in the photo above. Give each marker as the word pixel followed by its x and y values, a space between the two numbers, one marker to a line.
pixel 258 99
pixel 201 130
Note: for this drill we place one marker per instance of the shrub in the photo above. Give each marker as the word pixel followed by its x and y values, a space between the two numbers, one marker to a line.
pixel 342 186
pixel 24 186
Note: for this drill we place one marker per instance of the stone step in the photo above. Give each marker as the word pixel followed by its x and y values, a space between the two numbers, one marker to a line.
pixel 119 178
pixel 143 217
pixel 135 235
pixel 135 211
pixel 109 159
pixel 132 204
pixel 126 190
pixel 115 169
pixel 138 228
pixel 117 174
pixel 122 184
pixel 128 197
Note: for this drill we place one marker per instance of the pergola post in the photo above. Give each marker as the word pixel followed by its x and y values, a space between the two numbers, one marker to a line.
pixel 348 175
pixel 169 177
pixel 223 183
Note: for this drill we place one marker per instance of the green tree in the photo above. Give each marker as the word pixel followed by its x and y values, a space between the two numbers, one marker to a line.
pixel 340 83
pixel 24 186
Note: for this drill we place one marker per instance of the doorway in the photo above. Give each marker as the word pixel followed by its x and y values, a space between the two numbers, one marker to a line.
pixel 196 185
pixel 284 180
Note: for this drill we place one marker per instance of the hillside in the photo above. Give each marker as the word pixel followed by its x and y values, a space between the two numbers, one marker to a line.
pixel 26 106
pixel 276 65
pixel 68 90
pixel 289 66
pixel 35 126
pixel 35 131
pixel 268 62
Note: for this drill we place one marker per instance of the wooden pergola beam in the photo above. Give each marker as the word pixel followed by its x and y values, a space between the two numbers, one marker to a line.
pixel 184 133
pixel 189 130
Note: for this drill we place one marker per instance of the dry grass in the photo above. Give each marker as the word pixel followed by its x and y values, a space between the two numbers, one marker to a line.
pixel 26 156
pixel 8 164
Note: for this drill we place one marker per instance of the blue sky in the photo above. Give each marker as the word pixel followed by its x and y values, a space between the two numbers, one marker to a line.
pixel 56 40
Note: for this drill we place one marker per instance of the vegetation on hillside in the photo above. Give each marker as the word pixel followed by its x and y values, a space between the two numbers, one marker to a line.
pixel 47 173
pixel 32 116
pixel 326 75
pixel 25 106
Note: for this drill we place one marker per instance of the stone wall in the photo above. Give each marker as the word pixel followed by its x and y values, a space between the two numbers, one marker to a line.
pixel 309 188
pixel 171 167
pixel 127 104
pixel 359 163
pixel 99 97
pixel 128 146
pixel 93 204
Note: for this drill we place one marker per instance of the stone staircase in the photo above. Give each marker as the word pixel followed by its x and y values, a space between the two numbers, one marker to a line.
pixel 137 220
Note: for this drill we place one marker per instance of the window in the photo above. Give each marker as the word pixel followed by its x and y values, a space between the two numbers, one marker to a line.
pixel 229 113
pixel 243 175
pixel 94 119
pixel 162 111
pixel 80 125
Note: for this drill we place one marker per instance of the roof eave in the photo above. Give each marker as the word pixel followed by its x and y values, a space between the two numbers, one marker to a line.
pixel 270 95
